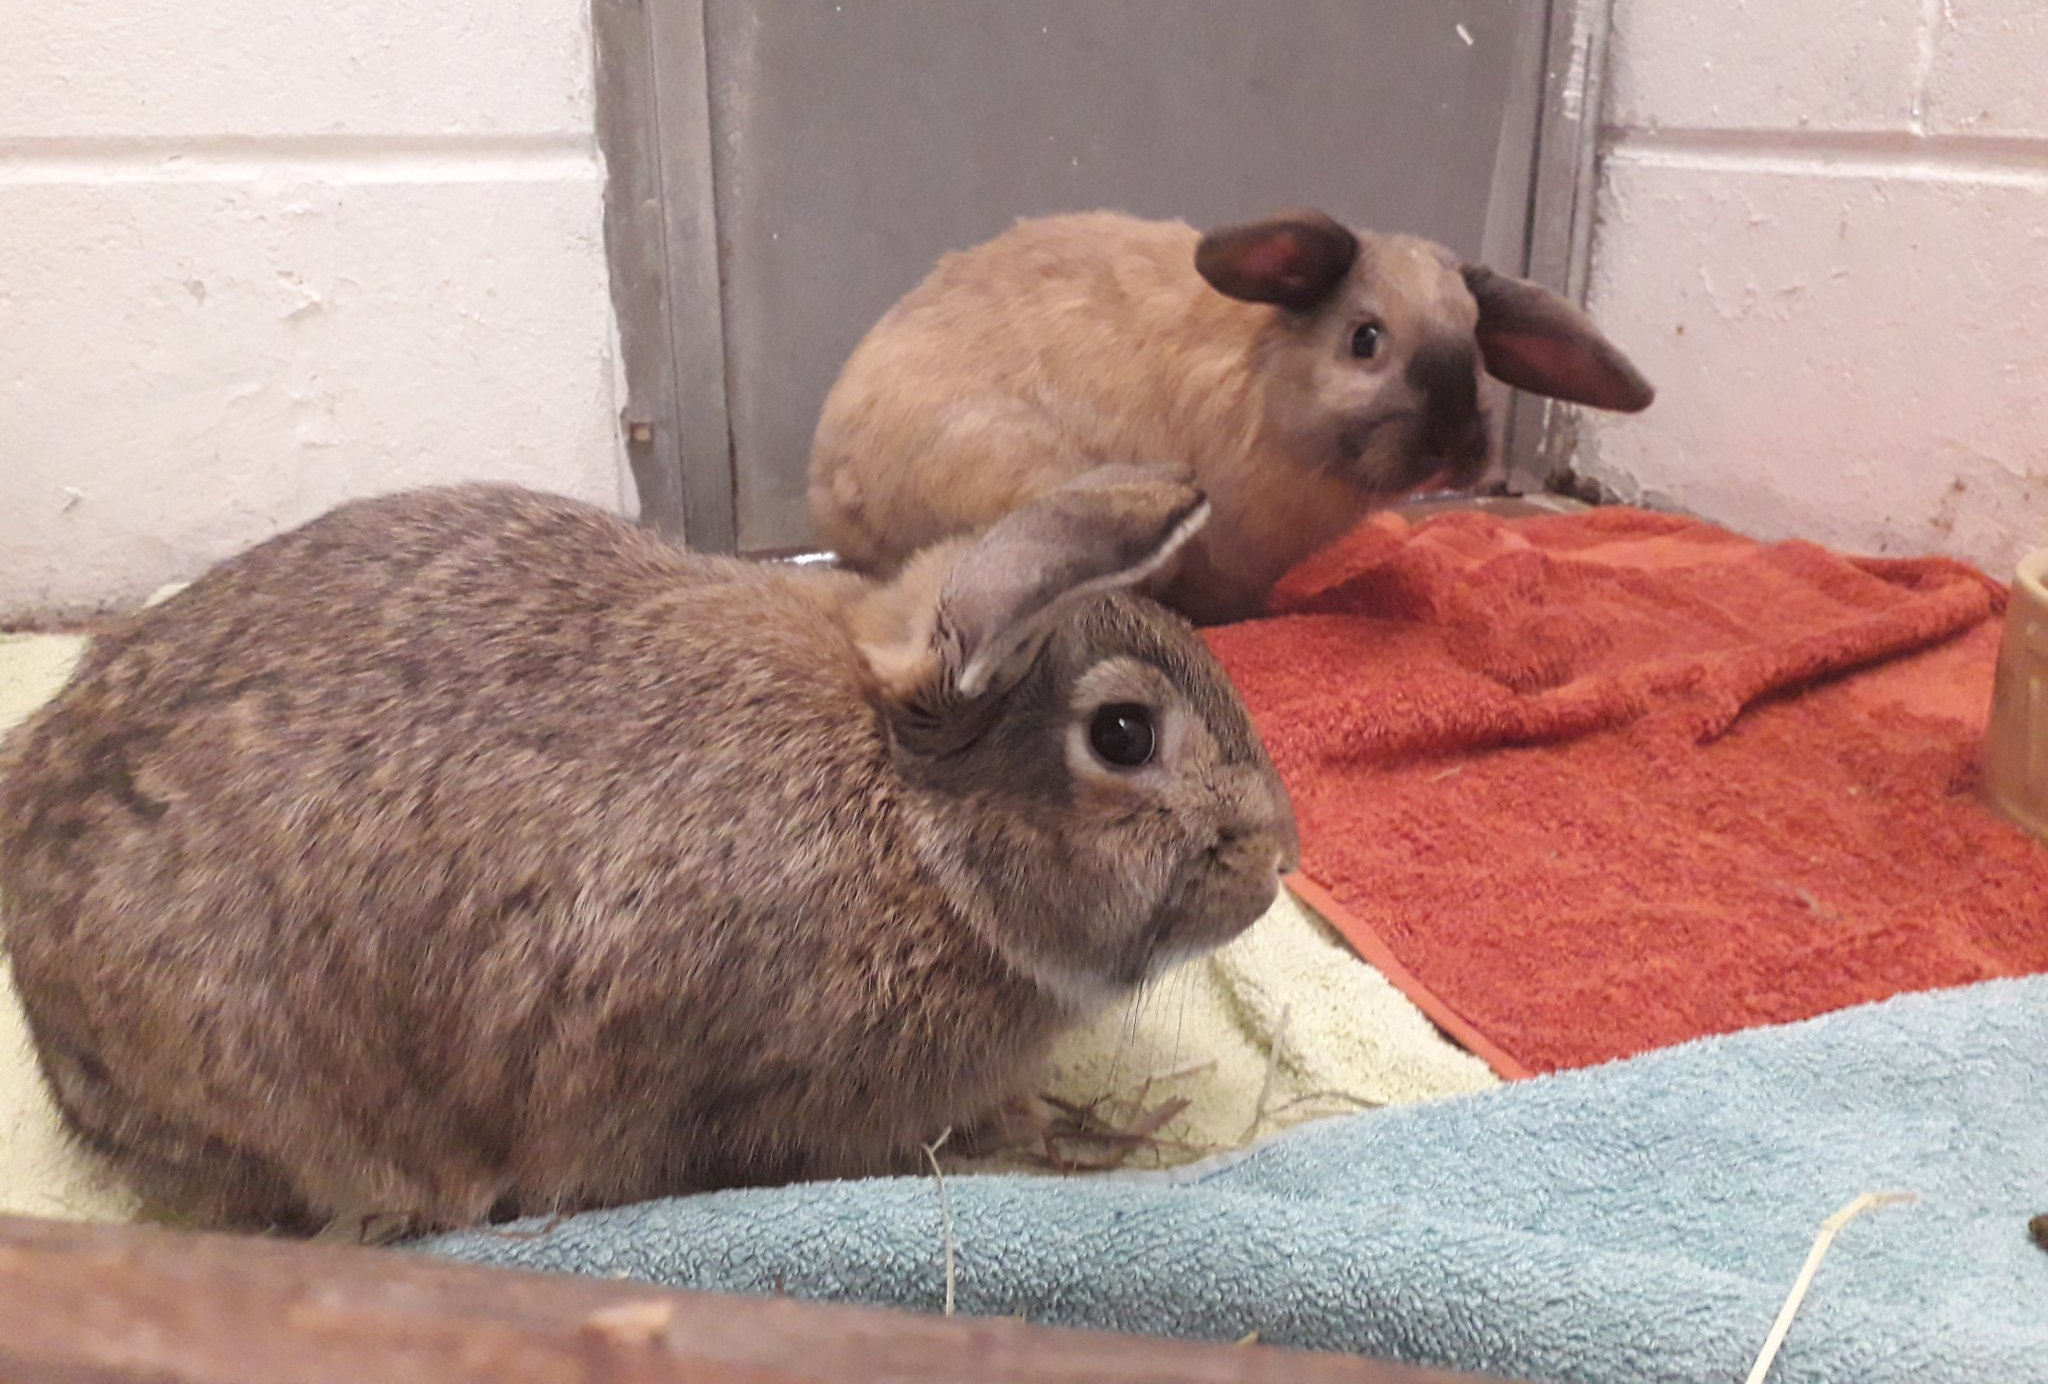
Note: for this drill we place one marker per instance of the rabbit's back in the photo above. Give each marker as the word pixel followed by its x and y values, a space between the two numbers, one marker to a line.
pixel 1065 342
pixel 464 663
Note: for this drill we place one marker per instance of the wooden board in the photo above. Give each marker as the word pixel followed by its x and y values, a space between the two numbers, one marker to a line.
pixel 100 1304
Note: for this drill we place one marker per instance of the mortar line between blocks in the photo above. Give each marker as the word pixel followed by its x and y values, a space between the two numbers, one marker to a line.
pixel 308 158
pixel 2015 161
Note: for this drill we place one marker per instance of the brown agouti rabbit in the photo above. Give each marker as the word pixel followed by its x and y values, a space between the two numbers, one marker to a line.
pixel 471 852
pixel 1305 372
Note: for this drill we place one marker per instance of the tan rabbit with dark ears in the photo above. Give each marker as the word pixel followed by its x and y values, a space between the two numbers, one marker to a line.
pixel 470 852
pixel 1305 372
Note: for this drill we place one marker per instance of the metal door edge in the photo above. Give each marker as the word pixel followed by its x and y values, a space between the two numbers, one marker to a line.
pixel 661 241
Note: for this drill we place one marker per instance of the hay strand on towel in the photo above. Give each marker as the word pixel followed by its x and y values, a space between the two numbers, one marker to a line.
pixel 931 1153
pixel 1077 1126
pixel 1272 1071
pixel 1828 1229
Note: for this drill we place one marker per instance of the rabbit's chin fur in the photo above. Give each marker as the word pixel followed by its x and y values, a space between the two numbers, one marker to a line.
pixel 472 852
pixel 1170 937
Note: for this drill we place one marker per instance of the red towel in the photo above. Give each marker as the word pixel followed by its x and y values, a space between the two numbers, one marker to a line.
pixel 1590 784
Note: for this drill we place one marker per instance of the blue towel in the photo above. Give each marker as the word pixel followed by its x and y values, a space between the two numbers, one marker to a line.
pixel 1639 1221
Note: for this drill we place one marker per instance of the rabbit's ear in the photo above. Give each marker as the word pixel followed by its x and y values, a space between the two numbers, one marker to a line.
pixel 1535 340
pixel 966 620
pixel 1295 259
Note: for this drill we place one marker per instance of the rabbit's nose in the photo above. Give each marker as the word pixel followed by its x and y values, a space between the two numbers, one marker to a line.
pixel 1254 851
pixel 1277 847
pixel 1446 376
pixel 1285 829
pixel 1287 846
pixel 1463 452
pixel 1258 811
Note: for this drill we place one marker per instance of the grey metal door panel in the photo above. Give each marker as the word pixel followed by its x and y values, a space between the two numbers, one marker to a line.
pixel 854 141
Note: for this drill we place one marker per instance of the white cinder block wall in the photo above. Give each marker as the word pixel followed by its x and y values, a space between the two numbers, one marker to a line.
pixel 1824 234
pixel 256 259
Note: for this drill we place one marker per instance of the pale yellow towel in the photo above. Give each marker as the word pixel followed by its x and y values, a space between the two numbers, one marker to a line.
pixel 32 668
pixel 1283 1025
pixel 41 1174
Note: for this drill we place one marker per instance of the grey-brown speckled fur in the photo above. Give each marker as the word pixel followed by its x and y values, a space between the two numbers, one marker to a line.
pixel 470 852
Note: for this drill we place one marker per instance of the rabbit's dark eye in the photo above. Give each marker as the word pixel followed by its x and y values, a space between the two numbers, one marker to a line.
pixel 1121 734
pixel 1365 342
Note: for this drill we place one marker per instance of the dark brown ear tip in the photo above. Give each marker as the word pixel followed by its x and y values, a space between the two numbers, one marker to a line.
pixel 1621 396
pixel 1637 394
pixel 1293 260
